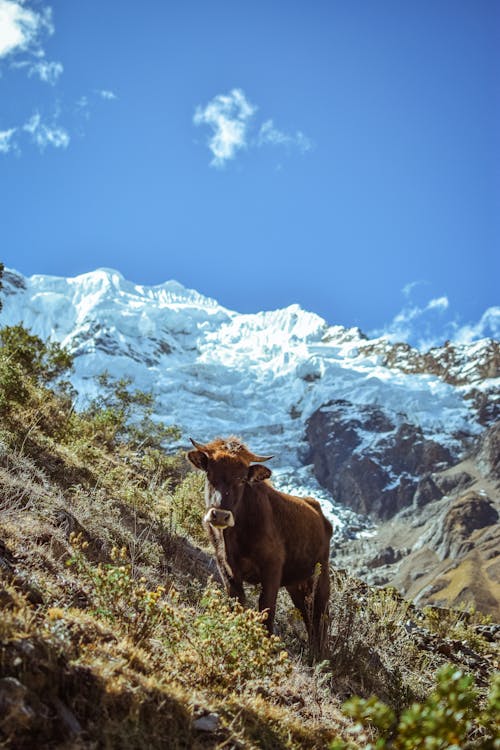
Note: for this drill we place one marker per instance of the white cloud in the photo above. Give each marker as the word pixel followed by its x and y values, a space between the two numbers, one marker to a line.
pixel 269 135
pixel 422 325
pixel 408 288
pixel 487 326
pixel 24 28
pixel 231 118
pixel 21 28
pixel 6 140
pixel 432 323
pixel 44 135
pixel 48 72
pixel 107 94
pixel 228 116
pixel 440 303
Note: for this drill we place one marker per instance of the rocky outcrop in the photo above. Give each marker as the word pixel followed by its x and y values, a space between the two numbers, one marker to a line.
pixel 373 462
pixel 473 367
pixel 469 513
pixel 488 455
pixel 457 364
pixel 446 552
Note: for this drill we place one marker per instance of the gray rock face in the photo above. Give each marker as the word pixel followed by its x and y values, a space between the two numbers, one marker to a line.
pixel 467 514
pixel 372 462
pixel 454 482
pixel 488 455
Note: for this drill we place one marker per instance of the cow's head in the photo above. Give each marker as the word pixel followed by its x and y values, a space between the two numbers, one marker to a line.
pixel 229 467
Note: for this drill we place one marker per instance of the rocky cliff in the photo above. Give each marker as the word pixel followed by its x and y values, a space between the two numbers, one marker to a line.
pixel 446 552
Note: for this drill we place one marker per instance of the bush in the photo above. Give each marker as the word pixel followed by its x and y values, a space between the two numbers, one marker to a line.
pixel 219 643
pixel 42 362
pixel 447 720
pixel 27 364
pixel 121 414
pixel 369 648
pixel 187 507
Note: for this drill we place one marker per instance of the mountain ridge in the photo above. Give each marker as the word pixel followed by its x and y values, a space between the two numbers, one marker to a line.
pixel 260 375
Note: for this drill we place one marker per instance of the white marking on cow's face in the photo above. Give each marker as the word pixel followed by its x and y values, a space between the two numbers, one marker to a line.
pixel 213 497
pixel 219 519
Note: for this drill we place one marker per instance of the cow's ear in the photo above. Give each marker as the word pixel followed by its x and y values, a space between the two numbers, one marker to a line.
pixel 258 473
pixel 198 459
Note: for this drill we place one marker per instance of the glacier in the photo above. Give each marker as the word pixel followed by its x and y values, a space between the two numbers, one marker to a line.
pixel 214 371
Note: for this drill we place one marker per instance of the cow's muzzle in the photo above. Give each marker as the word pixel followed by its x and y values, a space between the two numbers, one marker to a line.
pixel 219 518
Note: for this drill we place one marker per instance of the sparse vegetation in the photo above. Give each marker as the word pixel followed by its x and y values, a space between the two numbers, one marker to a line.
pixel 448 718
pixel 113 633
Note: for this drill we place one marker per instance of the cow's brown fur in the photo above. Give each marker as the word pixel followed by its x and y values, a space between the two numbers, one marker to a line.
pixel 277 539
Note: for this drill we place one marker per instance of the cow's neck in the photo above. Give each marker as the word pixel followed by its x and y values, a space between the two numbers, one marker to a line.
pixel 245 520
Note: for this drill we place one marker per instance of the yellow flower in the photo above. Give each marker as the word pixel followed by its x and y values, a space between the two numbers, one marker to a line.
pixel 55 613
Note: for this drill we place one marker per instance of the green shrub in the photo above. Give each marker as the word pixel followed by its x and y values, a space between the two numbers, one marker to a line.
pixel 231 645
pixel 458 624
pixel 121 414
pixel 42 362
pixel 13 385
pixel 187 506
pixel 447 720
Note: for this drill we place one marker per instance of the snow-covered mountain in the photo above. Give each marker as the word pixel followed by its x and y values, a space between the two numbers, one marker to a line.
pixel 262 376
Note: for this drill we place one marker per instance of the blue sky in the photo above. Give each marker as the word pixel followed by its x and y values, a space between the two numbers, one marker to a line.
pixel 342 155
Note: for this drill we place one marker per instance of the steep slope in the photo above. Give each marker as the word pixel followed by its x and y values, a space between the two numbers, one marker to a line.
pixel 262 376
pixel 112 634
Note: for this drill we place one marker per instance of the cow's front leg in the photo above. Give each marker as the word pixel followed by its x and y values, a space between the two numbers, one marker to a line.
pixel 267 600
pixel 232 586
pixel 237 591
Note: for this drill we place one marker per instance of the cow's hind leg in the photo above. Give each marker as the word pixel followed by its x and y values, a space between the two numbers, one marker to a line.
pixel 311 599
pixel 321 594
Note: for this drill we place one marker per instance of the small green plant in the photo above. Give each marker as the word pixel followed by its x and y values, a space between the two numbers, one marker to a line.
pixel 127 602
pixel 27 362
pixel 121 414
pixel 2 268
pixel 187 507
pixel 458 624
pixel 369 648
pixel 447 720
pixel 232 646
pixel 42 362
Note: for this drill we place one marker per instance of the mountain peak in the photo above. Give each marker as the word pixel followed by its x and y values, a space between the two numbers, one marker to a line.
pixel 260 375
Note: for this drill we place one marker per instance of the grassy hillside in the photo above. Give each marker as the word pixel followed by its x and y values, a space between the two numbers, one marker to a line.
pixel 114 632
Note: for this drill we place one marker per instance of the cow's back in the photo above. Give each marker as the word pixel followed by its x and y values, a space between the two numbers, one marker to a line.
pixel 304 532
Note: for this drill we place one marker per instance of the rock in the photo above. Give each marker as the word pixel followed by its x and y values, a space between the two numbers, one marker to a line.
pixel 467 514
pixel 374 463
pixel 67 717
pixel 427 491
pixel 18 714
pixel 449 483
pixel 488 455
pixel 207 723
pixel 387 556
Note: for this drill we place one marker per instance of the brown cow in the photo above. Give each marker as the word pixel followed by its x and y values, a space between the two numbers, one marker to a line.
pixel 263 536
